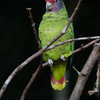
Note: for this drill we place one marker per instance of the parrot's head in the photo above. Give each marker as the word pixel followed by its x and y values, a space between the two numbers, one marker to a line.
pixel 54 5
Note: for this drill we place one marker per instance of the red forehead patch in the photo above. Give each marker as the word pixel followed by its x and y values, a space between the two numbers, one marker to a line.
pixel 52 1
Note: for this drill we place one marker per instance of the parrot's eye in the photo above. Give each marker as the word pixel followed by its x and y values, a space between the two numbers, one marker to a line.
pixel 56 0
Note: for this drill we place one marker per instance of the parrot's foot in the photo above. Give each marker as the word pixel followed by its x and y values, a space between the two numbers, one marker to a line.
pixel 63 58
pixel 50 62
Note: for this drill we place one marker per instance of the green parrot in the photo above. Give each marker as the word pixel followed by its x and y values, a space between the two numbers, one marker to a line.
pixel 52 24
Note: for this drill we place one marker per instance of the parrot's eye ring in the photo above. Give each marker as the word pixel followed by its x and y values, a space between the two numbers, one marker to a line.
pixel 56 0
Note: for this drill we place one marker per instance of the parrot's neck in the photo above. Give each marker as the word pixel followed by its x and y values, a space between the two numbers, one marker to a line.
pixel 48 16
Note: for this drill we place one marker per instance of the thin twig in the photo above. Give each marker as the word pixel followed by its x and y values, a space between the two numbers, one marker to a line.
pixel 83 77
pixel 30 83
pixel 32 80
pixel 76 70
pixel 76 39
pixel 72 16
pixel 33 25
pixel 85 46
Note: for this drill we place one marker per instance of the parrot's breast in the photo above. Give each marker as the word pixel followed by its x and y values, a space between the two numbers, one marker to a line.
pixel 52 24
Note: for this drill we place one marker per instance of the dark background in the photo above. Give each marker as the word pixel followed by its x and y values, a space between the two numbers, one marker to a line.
pixel 17 43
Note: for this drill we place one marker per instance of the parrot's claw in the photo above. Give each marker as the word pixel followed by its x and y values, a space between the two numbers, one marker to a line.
pixel 50 62
pixel 63 58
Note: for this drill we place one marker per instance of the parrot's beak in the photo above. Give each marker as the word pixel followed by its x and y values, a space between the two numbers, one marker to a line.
pixel 48 6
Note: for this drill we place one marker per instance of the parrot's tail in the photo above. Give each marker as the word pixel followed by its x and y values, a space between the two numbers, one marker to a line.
pixel 58 85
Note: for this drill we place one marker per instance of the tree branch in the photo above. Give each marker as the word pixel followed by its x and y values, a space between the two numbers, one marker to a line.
pixel 32 80
pixel 30 83
pixel 83 77
pixel 76 39
pixel 45 64
pixel 96 89
pixel 33 26
pixel 85 46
